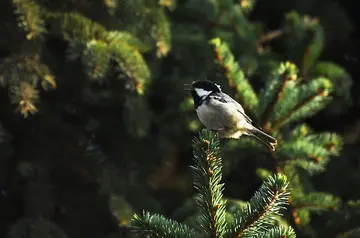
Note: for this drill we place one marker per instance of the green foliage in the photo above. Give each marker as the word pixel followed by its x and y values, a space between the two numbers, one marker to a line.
pixel 207 175
pixel 234 75
pixel 288 98
pixel 149 225
pixel 259 213
pixel 310 151
pixel 255 219
pixel 90 42
pixel 30 19
pixel 113 71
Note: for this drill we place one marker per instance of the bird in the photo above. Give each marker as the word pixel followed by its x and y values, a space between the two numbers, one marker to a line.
pixel 219 112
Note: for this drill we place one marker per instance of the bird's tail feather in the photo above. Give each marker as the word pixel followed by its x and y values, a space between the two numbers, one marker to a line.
pixel 264 138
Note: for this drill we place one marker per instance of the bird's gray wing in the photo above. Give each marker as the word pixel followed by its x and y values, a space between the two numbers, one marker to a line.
pixel 227 99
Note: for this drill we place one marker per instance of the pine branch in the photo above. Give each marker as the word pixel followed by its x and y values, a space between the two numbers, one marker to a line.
pixel 153 226
pixel 302 102
pixel 241 87
pixel 22 75
pixel 161 32
pixel 96 59
pixel 101 46
pixel 310 151
pixel 270 36
pixel 73 26
pixel 278 232
pixel 27 67
pixel 338 76
pixel 259 213
pixel 207 174
pixel 315 48
pixel 132 63
pixel 308 34
pixel 274 89
pixel 122 37
pixel 316 201
pixel 30 18
pixel 150 17
pixel 256 218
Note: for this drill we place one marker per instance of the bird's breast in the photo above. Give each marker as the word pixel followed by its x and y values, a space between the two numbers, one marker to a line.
pixel 218 116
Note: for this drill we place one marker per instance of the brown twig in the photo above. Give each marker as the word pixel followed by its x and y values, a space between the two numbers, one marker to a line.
pixel 270 36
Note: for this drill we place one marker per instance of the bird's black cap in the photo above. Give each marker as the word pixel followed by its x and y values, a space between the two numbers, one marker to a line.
pixel 206 85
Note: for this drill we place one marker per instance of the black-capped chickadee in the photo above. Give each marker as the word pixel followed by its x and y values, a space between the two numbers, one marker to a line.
pixel 219 112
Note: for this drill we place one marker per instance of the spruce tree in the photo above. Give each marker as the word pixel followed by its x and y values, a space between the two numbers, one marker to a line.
pixel 255 219
pixel 92 78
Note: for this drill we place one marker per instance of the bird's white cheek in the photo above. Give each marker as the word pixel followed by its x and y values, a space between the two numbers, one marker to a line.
pixel 201 92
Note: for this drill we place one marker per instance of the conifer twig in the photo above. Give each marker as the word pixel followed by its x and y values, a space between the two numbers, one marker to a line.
pixel 275 89
pixel 207 174
pixel 303 103
pixel 271 36
pixel 147 225
pixel 241 87
pixel 258 214
pixel 270 108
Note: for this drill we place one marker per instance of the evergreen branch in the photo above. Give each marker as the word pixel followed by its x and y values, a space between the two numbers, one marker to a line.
pixel 75 27
pixel 270 36
pixel 236 16
pixel 117 45
pixel 310 151
pixel 27 67
pixel 306 154
pixel 207 174
pixel 300 131
pixel 30 18
pixel 97 46
pixel 338 75
pixel 312 165
pixel 25 96
pixel 266 203
pixel 153 226
pixel 132 63
pixel 274 89
pixel 23 74
pixel 241 87
pixel 330 141
pixel 316 201
pixel 310 98
pixel 122 37
pixel 161 32
pixel 300 217
pixel 278 232
pixel 305 31
pixel 314 49
pixel 96 59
